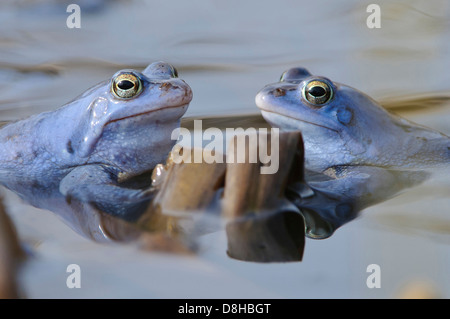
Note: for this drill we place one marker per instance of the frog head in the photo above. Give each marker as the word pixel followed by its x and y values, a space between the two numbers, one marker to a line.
pixel 128 120
pixel 340 125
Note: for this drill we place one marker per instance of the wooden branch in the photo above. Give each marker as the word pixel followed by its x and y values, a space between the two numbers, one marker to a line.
pixel 263 225
pixel 10 255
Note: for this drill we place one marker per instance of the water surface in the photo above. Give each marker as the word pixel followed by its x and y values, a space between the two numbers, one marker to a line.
pixel 227 51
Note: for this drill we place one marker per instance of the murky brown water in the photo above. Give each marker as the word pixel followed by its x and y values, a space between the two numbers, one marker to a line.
pixel 227 51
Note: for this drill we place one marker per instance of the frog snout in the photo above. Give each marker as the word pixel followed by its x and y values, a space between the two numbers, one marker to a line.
pixel 261 100
pixel 177 91
pixel 186 95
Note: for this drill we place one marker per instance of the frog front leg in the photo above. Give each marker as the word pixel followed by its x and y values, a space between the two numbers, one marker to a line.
pixel 94 183
pixel 367 185
pixel 334 198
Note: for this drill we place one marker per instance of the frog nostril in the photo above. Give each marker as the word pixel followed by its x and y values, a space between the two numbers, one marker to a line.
pixel 279 92
pixel 167 86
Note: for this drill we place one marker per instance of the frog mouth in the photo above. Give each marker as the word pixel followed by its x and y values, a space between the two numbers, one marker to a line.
pixel 148 112
pixel 301 120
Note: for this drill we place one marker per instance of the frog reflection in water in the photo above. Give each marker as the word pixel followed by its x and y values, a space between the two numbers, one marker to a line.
pixel 356 153
pixel 118 129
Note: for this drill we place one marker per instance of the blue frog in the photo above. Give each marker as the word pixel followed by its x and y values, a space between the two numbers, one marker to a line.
pixel 86 149
pixel 343 127
pixel 356 153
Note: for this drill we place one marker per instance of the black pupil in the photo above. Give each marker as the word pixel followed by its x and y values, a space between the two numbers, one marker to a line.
pixel 125 85
pixel 317 91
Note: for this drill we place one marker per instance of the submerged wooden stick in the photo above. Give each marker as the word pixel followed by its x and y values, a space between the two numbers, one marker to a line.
pixel 263 225
pixel 185 188
pixel 246 188
pixel 189 185
pixel 10 255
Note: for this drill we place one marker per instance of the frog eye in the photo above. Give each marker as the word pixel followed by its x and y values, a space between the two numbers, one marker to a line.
pixel 318 92
pixel 126 85
pixel 294 75
pixel 174 72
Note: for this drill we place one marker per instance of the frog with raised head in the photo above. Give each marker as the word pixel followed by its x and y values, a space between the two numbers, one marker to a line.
pixel 116 130
pixel 343 127
pixel 356 153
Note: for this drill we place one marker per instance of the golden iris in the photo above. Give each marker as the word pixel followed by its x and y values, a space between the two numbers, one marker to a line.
pixel 318 92
pixel 126 86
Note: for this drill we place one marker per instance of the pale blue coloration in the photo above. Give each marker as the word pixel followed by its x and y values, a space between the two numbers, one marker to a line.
pixel 350 129
pixel 90 145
